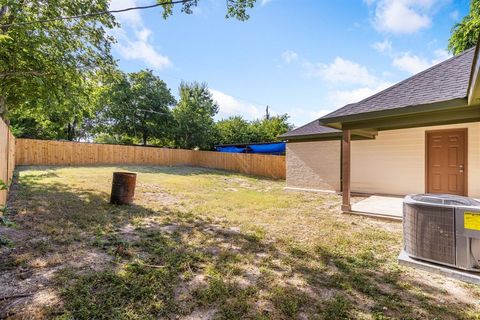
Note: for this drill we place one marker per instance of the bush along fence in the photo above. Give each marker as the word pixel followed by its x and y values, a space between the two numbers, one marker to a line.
pixel 7 162
pixel 65 153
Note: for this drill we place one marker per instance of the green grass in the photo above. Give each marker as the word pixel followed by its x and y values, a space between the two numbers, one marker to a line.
pixel 200 242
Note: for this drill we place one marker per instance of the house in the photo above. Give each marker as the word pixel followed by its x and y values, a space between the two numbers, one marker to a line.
pixel 419 135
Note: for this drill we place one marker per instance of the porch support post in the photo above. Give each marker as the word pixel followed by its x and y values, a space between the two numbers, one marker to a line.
pixel 346 140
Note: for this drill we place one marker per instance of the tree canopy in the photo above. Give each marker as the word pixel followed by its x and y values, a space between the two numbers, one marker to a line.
pixel 194 123
pixel 236 130
pixel 47 68
pixel 136 105
pixel 235 8
pixel 269 128
pixel 46 65
pixel 58 80
pixel 465 33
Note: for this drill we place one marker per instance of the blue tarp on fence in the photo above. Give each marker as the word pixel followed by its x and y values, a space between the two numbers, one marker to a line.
pixel 268 148
pixel 262 148
pixel 231 149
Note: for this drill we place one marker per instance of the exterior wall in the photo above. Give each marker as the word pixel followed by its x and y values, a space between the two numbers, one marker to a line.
pixel 394 163
pixel 313 165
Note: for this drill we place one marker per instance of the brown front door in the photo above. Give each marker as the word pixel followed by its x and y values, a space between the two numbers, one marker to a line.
pixel 447 161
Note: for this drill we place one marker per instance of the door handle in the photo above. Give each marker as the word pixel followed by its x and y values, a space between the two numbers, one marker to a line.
pixel 461 168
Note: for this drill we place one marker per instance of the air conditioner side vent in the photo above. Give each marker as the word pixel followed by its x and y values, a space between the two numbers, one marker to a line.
pixel 429 233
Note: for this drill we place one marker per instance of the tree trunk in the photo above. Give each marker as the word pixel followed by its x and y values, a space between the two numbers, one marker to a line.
pixel 72 130
pixel 144 138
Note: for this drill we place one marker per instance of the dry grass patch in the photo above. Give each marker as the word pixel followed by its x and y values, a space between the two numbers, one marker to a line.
pixel 205 244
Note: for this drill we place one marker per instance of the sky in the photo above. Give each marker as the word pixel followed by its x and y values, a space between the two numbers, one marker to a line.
pixel 301 57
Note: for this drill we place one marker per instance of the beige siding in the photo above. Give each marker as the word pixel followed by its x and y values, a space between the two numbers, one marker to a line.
pixel 394 163
pixel 314 165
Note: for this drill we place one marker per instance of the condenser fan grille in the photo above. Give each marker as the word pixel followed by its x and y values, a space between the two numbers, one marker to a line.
pixel 429 233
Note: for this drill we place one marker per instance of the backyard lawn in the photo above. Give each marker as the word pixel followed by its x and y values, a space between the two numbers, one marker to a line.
pixel 204 244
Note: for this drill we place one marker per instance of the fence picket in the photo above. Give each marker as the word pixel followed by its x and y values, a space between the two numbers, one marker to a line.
pixel 38 152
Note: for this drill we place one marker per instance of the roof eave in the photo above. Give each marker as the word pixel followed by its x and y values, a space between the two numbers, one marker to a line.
pixel 313 136
pixel 336 122
pixel 356 135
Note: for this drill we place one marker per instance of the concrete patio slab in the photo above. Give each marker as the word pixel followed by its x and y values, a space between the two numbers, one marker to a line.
pixel 382 206
pixel 462 275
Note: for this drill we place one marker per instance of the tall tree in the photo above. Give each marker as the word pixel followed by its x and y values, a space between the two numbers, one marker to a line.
pixel 266 130
pixel 47 58
pixel 46 65
pixel 137 105
pixel 194 124
pixel 465 34
pixel 233 130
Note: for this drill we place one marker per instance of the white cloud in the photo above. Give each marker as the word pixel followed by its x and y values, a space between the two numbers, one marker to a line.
pixel 144 51
pixel 131 17
pixel 231 106
pixel 134 38
pixel 302 115
pixel 410 63
pixel 383 46
pixel 265 2
pixel 340 98
pixel 341 71
pixel 289 56
pixel 347 82
pixel 440 55
pixel 413 64
pixel 402 16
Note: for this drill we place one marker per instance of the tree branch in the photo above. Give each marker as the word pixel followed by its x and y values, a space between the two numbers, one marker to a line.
pixel 92 14
pixel 11 18
pixel 22 73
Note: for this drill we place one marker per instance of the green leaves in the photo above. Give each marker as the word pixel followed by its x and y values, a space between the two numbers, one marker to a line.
pixel 5 37
pixel 3 185
pixel 136 105
pixel 234 130
pixel 237 130
pixel 48 66
pixel 194 124
pixel 235 8
pixel 465 34
pixel 54 76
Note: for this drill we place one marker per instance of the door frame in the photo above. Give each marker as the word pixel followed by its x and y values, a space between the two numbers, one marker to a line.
pixel 465 169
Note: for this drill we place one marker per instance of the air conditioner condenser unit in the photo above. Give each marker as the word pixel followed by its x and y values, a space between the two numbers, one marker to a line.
pixel 443 229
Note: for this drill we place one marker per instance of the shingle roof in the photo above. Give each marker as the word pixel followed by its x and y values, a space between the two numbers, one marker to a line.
pixel 310 129
pixel 445 81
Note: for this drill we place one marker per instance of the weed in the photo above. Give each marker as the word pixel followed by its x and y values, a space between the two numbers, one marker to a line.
pixel 337 308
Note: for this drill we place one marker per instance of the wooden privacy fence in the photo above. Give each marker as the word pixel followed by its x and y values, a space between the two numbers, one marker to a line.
pixel 43 152
pixel 7 159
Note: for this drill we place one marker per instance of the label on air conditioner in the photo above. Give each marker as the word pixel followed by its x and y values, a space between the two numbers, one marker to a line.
pixel 471 220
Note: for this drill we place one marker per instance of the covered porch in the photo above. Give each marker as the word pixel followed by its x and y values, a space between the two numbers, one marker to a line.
pixel 442 157
pixel 379 206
